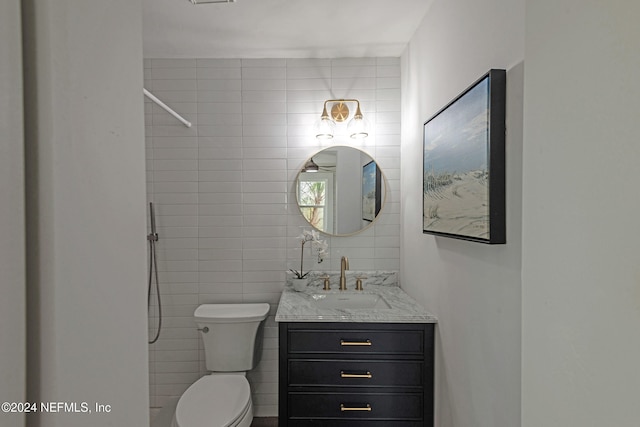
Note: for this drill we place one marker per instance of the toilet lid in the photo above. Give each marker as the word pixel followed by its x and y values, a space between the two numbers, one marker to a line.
pixel 231 313
pixel 214 400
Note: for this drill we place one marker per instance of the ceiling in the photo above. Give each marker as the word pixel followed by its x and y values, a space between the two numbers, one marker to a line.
pixel 280 28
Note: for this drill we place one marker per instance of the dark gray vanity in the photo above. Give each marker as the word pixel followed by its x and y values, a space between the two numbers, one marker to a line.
pixel 342 364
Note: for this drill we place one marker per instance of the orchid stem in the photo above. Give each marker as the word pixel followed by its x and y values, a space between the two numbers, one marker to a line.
pixel 302 258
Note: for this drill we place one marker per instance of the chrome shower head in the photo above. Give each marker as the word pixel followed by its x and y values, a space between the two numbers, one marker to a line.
pixel 153 236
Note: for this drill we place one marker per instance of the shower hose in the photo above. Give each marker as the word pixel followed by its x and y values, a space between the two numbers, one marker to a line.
pixel 153 270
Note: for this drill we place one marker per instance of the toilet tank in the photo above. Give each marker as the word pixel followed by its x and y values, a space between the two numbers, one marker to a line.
pixel 232 335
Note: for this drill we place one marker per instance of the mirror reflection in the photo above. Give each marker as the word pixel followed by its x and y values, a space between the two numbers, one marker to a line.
pixel 340 190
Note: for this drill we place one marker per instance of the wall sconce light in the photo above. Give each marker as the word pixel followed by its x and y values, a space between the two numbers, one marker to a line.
pixel 357 126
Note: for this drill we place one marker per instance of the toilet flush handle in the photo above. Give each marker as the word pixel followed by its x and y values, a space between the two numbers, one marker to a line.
pixel 204 330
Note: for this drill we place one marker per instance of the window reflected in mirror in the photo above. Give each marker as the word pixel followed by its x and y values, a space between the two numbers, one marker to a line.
pixel 315 191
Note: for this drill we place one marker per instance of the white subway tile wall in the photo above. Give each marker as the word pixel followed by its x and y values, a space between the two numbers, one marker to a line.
pixel 223 192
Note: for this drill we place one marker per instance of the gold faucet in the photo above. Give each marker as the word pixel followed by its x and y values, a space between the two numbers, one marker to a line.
pixel 344 265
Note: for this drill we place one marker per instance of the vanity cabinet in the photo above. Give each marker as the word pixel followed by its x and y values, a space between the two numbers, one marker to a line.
pixel 356 374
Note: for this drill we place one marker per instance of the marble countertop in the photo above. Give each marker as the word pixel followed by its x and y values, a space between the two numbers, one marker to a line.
pixel 299 306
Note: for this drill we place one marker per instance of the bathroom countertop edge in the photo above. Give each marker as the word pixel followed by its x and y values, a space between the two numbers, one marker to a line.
pixel 298 307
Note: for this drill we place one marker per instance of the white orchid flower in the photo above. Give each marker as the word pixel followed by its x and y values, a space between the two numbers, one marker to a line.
pixel 318 244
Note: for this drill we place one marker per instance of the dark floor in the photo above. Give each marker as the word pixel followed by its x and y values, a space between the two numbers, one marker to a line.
pixel 265 422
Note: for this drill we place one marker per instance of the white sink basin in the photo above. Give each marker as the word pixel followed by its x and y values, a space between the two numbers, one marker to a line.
pixel 350 301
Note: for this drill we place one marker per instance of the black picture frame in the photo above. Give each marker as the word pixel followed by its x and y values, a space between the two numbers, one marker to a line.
pixel 463 181
pixel 371 191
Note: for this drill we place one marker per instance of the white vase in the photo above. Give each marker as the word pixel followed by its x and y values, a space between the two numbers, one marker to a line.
pixel 299 284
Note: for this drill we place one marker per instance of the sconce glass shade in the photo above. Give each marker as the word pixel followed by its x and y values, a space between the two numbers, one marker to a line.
pixel 358 127
pixel 325 128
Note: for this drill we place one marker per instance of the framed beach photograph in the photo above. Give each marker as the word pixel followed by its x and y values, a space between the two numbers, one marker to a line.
pixel 464 164
pixel 371 191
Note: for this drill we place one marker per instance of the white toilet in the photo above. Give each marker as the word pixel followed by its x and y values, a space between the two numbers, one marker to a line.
pixel 232 336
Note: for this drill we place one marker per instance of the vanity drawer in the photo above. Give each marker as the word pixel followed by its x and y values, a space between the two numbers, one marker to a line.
pixel 352 423
pixel 356 406
pixel 355 373
pixel 356 341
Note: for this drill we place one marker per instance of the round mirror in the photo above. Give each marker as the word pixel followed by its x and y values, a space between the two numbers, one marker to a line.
pixel 340 190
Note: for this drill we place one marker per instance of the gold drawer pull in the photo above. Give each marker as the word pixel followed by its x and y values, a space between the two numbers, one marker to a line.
pixel 348 408
pixel 348 343
pixel 344 374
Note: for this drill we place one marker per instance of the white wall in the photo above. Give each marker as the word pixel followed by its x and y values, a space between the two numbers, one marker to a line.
pixel 85 210
pixel 12 239
pixel 224 193
pixel 581 241
pixel 348 197
pixel 473 289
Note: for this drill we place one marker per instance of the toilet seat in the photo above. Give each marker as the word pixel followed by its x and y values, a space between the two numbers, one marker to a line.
pixel 214 401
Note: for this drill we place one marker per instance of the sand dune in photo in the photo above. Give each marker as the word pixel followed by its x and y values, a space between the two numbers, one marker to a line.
pixel 460 207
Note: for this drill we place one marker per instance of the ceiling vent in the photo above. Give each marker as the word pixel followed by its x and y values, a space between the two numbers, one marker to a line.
pixel 211 1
